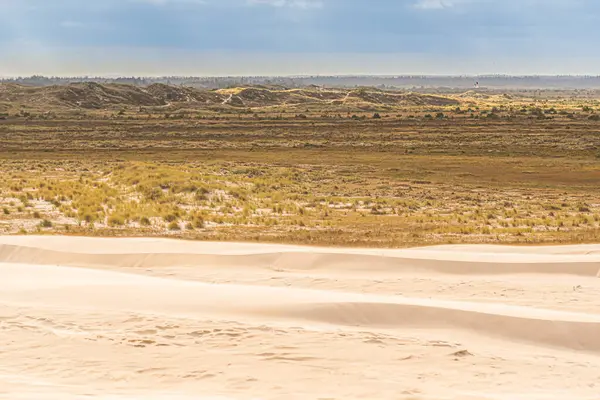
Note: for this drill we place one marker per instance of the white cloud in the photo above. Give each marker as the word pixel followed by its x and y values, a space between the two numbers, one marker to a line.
pixel 434 4
pixel 304 4
pixel 169 2
pixel 447 4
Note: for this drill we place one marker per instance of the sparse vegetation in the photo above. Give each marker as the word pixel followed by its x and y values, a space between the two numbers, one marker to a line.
pixel 174 226
pixel 423 172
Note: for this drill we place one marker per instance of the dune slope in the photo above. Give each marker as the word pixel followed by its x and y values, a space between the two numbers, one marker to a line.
pixel 162 319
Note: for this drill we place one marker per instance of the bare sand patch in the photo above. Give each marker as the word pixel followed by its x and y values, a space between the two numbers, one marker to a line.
pixel 164 319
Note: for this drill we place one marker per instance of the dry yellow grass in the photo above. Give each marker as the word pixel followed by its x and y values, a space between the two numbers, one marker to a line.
pixel 323 178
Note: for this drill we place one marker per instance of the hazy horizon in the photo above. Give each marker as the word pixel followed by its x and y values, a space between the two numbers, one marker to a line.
pixel 292 76
pixel 160 62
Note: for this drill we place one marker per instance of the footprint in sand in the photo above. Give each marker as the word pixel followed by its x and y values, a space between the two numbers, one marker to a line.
pixel 462 353
pixel 199 333
pixel 146 332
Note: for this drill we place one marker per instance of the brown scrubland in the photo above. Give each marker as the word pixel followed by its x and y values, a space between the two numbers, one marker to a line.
pixel 350 167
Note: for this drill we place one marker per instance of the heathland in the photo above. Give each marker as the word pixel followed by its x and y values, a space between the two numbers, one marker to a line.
pixel 350 167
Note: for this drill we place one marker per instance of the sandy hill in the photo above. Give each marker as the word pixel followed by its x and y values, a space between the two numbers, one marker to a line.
pixel 78 95
pixel 164 319
pixel 113 96
pixel 166 94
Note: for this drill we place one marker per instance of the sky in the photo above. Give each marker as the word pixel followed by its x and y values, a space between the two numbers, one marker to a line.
pixel 298 37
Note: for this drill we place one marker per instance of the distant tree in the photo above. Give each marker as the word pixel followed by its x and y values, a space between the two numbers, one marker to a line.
pixel 376 116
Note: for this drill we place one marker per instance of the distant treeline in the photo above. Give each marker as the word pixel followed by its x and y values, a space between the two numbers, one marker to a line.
pixel 399 82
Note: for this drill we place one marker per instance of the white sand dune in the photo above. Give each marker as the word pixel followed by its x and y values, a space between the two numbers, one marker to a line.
pixel 164 319
pixel 128 253
pixel 564 249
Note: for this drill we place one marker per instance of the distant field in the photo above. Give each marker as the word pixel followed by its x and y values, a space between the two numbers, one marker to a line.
pixel 369 169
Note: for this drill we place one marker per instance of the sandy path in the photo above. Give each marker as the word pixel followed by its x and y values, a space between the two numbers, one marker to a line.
pixel 159 319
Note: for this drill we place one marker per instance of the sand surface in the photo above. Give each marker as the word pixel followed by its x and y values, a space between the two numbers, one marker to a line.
pixel 86 318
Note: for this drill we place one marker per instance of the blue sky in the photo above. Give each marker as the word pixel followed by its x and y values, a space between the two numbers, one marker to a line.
pixel 219 37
